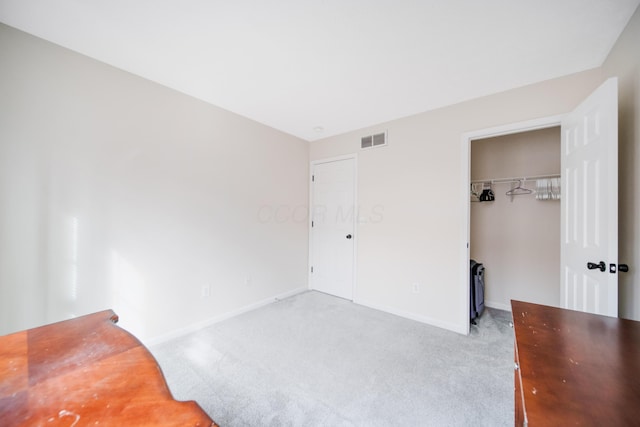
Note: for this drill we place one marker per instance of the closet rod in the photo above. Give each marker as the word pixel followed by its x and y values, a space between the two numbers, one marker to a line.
pixel 515 179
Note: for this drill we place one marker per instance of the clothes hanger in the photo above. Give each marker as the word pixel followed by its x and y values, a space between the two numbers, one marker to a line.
pixel 475 194
pixel 474 189
pixel 518 190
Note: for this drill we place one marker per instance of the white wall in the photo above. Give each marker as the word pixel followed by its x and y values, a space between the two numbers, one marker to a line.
pixel 624 62
pixel 417 183
pixel 169 193
pixel 118 192
pixel 517 238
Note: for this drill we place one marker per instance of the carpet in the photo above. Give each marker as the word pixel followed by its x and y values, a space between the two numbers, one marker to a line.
pixel 315 360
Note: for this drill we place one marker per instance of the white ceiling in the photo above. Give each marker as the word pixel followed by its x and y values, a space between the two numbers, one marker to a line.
pixel 341 65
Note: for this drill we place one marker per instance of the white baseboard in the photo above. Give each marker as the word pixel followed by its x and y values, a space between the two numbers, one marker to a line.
pixel 418 318
pixel 498 305
pixel 407 315
pixel 212 321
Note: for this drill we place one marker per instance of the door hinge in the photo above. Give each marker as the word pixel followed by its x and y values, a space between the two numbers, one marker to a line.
pixel 312 269
pixel 313 178
pixel 311 224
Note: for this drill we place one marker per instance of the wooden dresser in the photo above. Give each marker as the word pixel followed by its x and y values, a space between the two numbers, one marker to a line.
pixel 86 372
pixel 574 368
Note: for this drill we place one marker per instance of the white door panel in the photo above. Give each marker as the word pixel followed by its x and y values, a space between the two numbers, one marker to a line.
pixel 590 203
pixel 333 224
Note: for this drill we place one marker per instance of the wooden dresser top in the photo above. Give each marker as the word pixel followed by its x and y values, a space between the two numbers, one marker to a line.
pixel 86 371
pixel 577 369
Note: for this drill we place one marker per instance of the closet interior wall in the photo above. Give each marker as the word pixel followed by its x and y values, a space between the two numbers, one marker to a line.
pixel 517 239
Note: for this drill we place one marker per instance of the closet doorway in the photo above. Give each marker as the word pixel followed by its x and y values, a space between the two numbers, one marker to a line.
pixel 516 235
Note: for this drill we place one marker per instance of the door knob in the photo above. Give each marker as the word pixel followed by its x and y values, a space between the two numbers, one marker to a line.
pixel 600 266
pixel 349 236
pixel 621 268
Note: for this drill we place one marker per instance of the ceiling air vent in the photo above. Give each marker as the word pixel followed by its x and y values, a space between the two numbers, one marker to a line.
pixel 376 140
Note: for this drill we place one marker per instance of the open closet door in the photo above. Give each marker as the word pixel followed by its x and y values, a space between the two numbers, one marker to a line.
pixel 589 207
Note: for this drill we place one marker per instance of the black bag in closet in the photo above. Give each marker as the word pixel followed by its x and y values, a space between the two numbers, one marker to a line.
pixel 476 286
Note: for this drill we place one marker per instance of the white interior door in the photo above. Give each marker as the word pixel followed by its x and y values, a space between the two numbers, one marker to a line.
pixel 589 207
pixel 333 216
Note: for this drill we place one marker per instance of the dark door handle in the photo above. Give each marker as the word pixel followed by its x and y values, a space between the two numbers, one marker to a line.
pixel 621 268
pixel 349 236
pixel 600 266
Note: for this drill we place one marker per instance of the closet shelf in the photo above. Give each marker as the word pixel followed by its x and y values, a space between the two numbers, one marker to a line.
pixel 514 179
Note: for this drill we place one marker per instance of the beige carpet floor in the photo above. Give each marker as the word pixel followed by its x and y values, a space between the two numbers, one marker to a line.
pixel 317 360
